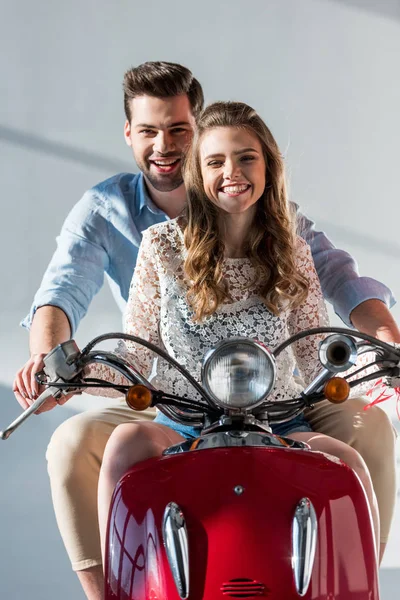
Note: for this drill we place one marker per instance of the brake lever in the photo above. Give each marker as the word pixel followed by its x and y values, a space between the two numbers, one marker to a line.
pixel 60 365
pixel 50 391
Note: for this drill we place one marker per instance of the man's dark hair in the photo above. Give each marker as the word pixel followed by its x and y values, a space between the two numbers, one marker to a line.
pixel 161 80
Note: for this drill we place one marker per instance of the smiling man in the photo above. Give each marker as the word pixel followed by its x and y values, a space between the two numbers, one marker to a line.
pixel 101 236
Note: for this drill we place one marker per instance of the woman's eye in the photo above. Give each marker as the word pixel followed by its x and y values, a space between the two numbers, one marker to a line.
pixel 214 163
pixel 248 158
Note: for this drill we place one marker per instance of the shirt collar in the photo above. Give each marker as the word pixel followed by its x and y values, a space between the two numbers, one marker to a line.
pixel 144 198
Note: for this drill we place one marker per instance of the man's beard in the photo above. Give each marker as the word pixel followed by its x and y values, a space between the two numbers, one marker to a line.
pixel 161 182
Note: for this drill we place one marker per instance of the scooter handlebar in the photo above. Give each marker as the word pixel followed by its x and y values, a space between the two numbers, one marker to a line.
pixel 50 391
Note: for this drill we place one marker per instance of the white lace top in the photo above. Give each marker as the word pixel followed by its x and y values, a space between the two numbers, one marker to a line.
pixel 158 311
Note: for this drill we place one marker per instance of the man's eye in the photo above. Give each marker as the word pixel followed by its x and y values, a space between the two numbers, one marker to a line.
pixel 178 130
pixel 147 131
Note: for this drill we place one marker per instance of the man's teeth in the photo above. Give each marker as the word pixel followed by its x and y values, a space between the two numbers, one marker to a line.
pixel 165 163
pixel 235 189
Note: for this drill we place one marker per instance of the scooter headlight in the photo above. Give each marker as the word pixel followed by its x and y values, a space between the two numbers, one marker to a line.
pixel 238 373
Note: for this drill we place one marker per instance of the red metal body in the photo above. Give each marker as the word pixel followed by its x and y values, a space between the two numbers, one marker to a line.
pixel 240 546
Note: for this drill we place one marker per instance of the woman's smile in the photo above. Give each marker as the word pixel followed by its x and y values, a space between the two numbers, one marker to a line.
pixel 233 168
pixel 235 190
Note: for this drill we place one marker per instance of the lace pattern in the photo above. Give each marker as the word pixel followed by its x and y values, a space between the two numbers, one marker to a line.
pixel 158 311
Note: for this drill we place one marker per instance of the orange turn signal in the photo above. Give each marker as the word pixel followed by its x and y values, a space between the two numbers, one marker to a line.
pixel 139 397
pixel 337 390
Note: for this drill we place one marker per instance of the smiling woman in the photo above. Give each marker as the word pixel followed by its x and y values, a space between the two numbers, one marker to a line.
pixel 234 175
pixel 238 207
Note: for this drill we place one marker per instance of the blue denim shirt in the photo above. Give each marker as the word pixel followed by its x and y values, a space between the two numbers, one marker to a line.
pixel 103 232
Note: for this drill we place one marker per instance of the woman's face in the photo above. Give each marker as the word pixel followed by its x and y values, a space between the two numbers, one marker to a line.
pixel 233 168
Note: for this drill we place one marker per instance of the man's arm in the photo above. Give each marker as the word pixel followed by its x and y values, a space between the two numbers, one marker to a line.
pixel 340 280
pixel 73 277
pixel 50 327
pixel 374 317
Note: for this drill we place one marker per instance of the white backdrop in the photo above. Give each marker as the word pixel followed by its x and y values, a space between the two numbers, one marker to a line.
pixel 322 73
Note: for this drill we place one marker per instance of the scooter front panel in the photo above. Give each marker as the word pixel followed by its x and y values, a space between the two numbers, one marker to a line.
pixel 239 506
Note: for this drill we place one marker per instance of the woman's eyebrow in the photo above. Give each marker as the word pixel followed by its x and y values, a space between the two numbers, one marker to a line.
pixel 236 152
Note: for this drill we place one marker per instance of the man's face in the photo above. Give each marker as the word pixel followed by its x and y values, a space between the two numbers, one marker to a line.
pixel 159 134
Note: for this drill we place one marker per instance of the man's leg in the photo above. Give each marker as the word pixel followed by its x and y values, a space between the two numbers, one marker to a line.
pixel 371 433
pixel 74 457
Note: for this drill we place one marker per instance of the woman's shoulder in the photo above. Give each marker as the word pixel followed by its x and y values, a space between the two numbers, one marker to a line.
pixel 302 249
pixel 162 231
pixel 165 237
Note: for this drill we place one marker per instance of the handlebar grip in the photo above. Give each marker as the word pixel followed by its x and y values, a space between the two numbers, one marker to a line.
pixel 50 391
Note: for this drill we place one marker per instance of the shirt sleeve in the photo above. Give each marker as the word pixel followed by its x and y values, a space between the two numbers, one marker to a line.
pixel 311 313
pixel 141 318
pixel 76 271
pixel 338 273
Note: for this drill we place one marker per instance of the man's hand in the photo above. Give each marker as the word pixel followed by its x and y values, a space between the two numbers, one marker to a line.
pixel 374 317
pixel 25 386
pixel 50 327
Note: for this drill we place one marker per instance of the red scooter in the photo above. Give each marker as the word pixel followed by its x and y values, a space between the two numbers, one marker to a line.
pixel 237 512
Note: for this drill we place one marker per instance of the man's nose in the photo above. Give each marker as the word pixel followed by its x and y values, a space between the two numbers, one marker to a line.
pixel 163 143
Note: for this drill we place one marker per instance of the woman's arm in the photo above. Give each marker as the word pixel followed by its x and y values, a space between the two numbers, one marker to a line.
pixel 311 313
pixel 141 318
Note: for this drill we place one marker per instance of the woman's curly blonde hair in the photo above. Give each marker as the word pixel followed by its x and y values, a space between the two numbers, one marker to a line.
pixel 271 243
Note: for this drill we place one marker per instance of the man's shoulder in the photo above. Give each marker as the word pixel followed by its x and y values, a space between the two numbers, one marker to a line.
pixel 119 193
pixel 122 184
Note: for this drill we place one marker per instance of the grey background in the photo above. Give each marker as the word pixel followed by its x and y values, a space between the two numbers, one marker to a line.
pixel 322 73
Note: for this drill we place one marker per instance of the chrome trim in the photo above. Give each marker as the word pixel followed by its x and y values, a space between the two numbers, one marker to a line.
pixel 50 391
pixel 210 355
pixel 318 382
pixel 304 541
pixel 177 547
pixel 234 439
pixel 232 418
pixel 269 415
pixel 338 353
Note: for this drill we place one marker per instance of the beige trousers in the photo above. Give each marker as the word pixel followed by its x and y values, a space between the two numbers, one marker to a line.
pixel 76 450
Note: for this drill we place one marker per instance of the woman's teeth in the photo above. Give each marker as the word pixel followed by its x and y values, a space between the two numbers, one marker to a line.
pixel 235 189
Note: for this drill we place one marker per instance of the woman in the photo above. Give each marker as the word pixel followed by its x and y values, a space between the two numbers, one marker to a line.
pixel 232 265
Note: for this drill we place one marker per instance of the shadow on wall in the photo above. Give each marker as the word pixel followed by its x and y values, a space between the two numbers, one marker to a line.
pixel 385 8
pixel 41 145
pixel 29 141
pixel 33 562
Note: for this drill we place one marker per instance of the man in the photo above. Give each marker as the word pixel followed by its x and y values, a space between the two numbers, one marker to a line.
pixel 102 235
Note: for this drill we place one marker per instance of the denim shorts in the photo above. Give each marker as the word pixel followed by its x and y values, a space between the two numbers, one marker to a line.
pixel 298 424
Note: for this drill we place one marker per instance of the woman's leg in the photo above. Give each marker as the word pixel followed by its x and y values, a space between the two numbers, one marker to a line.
pixel 129 444
pixel 353 459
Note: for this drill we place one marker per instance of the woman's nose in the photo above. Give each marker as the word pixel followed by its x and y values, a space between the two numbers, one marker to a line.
pixel 231 170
